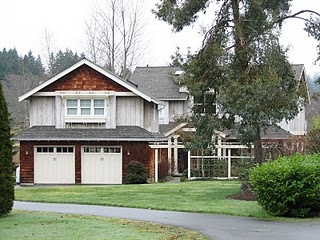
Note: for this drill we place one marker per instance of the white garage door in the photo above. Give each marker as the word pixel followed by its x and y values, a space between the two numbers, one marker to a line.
pixel 101 165
pixel 54 164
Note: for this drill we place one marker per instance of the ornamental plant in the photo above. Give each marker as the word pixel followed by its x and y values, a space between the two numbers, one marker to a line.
pixel 136 173
pixel 288 186
pixel 313 140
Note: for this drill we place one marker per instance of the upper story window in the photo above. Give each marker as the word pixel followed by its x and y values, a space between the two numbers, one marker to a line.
pixel 205 103
pixel 85 107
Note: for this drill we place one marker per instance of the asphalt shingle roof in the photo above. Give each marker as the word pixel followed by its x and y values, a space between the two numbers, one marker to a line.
pixel 121 133
pixel 158 82
pixel 272 132
pixel 297 71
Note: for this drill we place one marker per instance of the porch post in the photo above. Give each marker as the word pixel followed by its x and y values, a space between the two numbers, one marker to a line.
pixel 175 154
pixel 219 146
pixel 169 156
pixel 156 150
pixel 189 164
pixel 229 163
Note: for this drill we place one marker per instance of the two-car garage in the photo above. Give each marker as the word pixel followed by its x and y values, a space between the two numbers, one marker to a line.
pixel 57 164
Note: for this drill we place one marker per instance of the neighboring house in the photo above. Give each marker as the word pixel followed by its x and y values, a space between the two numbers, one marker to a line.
pixel 298 125
pixel 160 82
pixel 86 125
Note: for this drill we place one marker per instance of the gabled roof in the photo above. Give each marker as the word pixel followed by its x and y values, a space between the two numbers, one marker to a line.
pixel 172 127
pixel 298 71
pixel 158 82
pixel 300 76
pixel 131 87
pixel 121 133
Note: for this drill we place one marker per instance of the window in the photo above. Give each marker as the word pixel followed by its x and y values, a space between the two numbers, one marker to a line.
pixel 102 149
pixel 98 105
pixel 64 149
pixel 44 149
pixel 112 150
pixel 72 106
pixel 205 103
pixel 85 107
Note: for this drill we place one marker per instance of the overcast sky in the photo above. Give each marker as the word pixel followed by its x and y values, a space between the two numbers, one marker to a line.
pixel 23 23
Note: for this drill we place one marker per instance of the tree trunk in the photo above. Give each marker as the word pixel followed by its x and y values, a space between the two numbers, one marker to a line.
pixel 258 150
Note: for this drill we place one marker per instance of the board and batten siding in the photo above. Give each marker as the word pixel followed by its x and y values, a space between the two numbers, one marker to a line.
pixel 42 111
pixel 177 109
pixel 111 112
pixel 296 126
pixel 164 116
pixel 151 117
pixel 130 111
pixel 60 112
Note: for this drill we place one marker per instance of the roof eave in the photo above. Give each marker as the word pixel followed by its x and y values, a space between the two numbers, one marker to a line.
pixel 93 139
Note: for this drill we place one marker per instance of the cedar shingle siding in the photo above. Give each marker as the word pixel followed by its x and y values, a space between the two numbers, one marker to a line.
pixel 84 78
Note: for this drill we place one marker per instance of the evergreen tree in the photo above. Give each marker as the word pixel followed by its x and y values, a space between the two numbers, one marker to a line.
pixel 9 63
pixel 32 65
pixel 241 68
pixel 63 60
pixel 6 164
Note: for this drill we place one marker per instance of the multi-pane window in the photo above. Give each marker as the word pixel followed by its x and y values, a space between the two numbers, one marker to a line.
pixel 205 103
pixel 102 149
pixel 64 149
pixel 45 149
pixel 85 107
pixel 50 149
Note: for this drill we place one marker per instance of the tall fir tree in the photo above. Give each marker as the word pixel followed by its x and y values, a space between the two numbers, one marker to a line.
pixel 241 69
pixel 6 164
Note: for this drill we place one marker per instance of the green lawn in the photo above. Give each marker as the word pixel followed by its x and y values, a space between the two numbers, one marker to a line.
pixel 196 196
pixel 38 225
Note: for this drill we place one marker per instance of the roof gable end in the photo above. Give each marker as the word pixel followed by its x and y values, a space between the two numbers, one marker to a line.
pixel 85 62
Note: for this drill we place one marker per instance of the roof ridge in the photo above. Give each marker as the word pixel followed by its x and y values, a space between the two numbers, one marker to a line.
pixel 158 67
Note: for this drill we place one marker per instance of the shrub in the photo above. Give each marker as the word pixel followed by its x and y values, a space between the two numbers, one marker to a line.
pixel 313 140
pixel 136 173
pixel 289 186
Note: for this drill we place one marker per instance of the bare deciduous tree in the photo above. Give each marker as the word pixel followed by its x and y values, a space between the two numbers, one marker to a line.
pixel 48 47
pixel 113 35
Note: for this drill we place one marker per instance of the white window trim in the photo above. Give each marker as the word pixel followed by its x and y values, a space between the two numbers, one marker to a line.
pixel 78 118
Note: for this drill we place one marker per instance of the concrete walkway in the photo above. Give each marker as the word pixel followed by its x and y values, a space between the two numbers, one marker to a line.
pixel 217 227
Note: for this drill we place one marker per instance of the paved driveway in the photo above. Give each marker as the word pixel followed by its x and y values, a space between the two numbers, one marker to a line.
pixel 216 227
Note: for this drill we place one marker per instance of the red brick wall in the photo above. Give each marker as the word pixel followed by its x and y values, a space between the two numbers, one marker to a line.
pixel 131 151
pixel 84 78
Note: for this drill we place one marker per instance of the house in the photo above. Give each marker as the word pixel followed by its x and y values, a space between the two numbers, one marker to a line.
pixel 161 83
pixel 86 125
pixel 298 125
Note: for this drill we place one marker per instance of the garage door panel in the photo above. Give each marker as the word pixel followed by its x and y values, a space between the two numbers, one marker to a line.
pixel 101 165
pixel 54 166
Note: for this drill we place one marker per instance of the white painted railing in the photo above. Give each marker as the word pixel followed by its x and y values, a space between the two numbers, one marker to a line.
pixel 229 164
